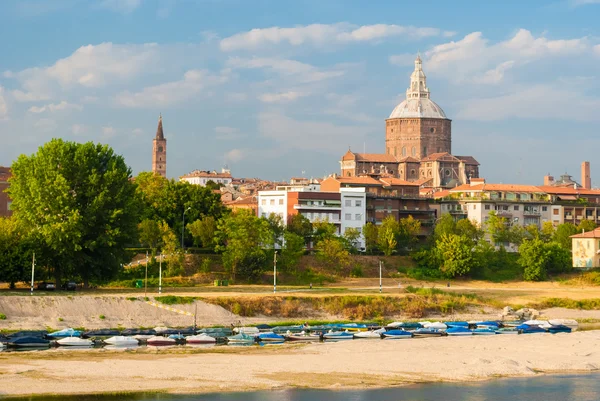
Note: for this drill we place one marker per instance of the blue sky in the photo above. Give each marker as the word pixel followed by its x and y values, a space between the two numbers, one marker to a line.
pixel 277 88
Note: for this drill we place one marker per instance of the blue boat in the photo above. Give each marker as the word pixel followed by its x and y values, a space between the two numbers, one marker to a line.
pixel 177 337
pixel 338 335
pixel 527 329
pixel 487 331
pixel 457 324
pixel 459 331
pixel 28 342
pixel 406 326
pixel 396 334
pixel 270 337
pixel 488 323
pixel 561 328
pixel 65 333
pixel 429 332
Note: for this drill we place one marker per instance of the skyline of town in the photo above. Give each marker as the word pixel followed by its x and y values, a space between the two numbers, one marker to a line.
pixel 291 93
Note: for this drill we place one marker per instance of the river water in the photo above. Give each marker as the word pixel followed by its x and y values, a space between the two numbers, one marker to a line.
pixel 541 388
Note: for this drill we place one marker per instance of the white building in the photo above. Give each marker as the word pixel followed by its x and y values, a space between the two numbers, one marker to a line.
pixel 200 177
pixel 354 211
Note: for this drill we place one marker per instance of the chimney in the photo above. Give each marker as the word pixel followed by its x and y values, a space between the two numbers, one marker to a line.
pixel 586 179
pixel 548 180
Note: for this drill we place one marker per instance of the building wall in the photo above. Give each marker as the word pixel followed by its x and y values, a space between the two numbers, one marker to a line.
pixel 4 199
pixel 202 180
pixel 585 252
pixel 273 202
pixel 417 137
pixel 354 211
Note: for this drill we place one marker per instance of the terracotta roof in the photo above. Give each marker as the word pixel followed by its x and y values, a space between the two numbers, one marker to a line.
pixel 441 194
pixel 398 182
pixel 408 159
pixel 248 200
pixel 590 234
pixel 439 156
pixel 357 180
pixel 468 160
pixel 497 187
pixel 349 155
pixel 375 157
pixel 206 174
pixel 568 191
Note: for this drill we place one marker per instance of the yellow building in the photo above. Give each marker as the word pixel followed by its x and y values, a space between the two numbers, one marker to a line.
pixel 586 249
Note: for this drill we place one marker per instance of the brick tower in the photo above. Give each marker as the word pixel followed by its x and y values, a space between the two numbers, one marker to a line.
pixel 159 151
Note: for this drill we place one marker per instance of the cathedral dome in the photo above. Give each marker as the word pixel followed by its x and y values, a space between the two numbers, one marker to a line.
pixel 418 108
pixel 418 103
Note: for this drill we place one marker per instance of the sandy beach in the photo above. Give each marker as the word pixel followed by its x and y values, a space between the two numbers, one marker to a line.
pixel 356 363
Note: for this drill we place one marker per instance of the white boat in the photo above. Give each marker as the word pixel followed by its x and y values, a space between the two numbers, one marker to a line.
pixel 544 324
pixel 302 336
pixel 161 341
pixel 434 325
pixel 247 330
pixel 75 342
pixel 573 324
pixel 395 324
pixel 373 334
pixel 121 341
pixel 142 337
pixel 201 338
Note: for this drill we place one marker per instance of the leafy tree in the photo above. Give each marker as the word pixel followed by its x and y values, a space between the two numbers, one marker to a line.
pixel 352 236
pixel 171 248
pixel 292 251
pixel 323 230
pixel 332 251
pixel 389 232
pixel 469 229
pixel 246 238
pixel 534 257
pixel 457 255
pixel 408 229
pixel 444 225
pixel 150 235
pixel 213 186
pixel 277 227
pixel 300 225
pixel 516 234
pixel 560 259
pixel 533 231
pixel 586 225
pixel 562 235
pixel 370 232
pixel 547 231
pixel 203 231
pixel 81 205
pixel 498 228
pixel 16 248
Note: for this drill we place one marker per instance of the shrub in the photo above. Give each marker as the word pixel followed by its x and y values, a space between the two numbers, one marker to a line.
pixel 357 271
pixel 204 266
pixel 102 317
pixel 2 316
pixel 175 300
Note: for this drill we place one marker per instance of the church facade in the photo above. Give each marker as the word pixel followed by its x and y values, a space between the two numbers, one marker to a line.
pixel 418 144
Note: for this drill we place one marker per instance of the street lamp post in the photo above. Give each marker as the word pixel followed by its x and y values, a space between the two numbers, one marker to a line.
pixel 275 272
pixel 146 279
pixel 32 272
pixel 380 263
pixel 183 226
pixel 160 274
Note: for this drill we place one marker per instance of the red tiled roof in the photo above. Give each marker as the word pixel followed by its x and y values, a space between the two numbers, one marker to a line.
pixel 590 234
pixel 568 191
pixel 376 157
pixel 497 187
pixel 468 160
pixel 207 174
pixel 437 156
pixel 398 182
pixel 409 159
pixel 362 180
pixel 441 194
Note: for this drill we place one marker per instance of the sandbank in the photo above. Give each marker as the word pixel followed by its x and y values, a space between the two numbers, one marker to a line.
pixel 350 364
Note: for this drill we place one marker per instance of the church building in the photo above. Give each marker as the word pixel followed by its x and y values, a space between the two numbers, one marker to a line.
pixel 418 144
pixel 159 151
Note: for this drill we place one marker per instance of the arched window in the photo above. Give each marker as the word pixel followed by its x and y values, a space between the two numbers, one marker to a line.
pixel 424 150
pixel 412 172
pixel 414 151
pixel 403 151
pixel 348 174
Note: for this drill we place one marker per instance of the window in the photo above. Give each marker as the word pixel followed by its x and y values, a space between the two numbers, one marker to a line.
pixel 504 207
pixel 555 212
pixel 487 207
pixel 544 208
pixel 358 203
pixel 281 201
pixel 264 215
pixel 263 202
pixel 447 172
pixel 474 207
pixel 404 151
pixel 272 202
pixel 516 208
pixel 358 217
pixel 348 202
pixel 348 216
pixel 413 151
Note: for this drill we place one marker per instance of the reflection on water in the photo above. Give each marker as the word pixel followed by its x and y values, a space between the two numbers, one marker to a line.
pixel 544 388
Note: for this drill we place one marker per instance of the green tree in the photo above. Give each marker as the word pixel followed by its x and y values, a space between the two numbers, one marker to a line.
pixel 469 229
pixel 408 230
pixel 332 252
pixel 389 232
pixel 534 257
pixel 444 225
pixel 498 228
pixel 16 249
pixel 323 229
pixel 171 248
pixel 80 203
pixel 560 259
pixel 370 232
pixel 150 235
pixel 204 231
pixel 292 251
pixel 547 231
pixel 562 235
pixel 246 239
pixel 586 225
pixel 352 236
pixel 300 225
pixel 277 227
pixel 456 254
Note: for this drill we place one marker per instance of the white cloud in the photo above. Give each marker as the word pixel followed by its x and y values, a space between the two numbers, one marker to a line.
pixel 308 135
pixel 79 129
pixel 322 34
pixel 121 6
pixel 473 55
pixel 45 125
pixel 108 132
pixel 235 155
pixel 55 107
pixel 284 97
pixel 170 93
pixel 537 102
pixel 304 73
pixel 3 106
pixel 88 66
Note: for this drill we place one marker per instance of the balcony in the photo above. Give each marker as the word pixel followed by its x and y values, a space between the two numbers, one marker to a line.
pixel 531 212
pixel 569 217
pixel 504 213
pixel 317 207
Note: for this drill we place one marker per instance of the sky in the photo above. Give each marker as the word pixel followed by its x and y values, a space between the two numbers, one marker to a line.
pixel 276 89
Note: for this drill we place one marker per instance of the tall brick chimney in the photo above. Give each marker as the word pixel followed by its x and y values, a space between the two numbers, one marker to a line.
pixel 586 179
pixel 548 180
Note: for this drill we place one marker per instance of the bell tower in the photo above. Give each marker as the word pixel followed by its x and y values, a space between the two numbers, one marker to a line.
pixel 159 151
